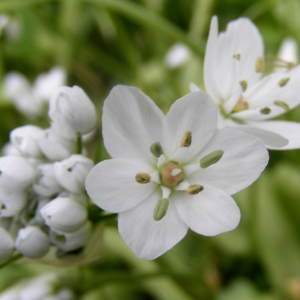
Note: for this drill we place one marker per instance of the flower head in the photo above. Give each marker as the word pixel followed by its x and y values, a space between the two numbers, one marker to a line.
pixel 170 172
pixel 233 75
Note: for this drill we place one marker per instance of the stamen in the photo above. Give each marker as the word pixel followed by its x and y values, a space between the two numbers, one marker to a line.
pixel 236 56
pixel 259 65
pixel 160 209
pixel 156 149
pixel 282 104
pixel 240 105
pixel 244 85
pixel 211 158
pixel 194 189
pixel 282 82
pixel 186 139
pixel 265 110
pixel 142 178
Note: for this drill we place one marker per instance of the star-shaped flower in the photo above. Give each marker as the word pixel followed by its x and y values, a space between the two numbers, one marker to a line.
pixel 170 172
pixel 233 75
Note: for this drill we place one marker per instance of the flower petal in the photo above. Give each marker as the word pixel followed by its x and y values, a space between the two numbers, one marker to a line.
pixel 210 212
pixel 145 236
pixel 131 123
pixel 286 130
pixel 279 87
pixel 271 139
pixel 112 186
pixel 194 113
pixel 231 57
pixel 243 160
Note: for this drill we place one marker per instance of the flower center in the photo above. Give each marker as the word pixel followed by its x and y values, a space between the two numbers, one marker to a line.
pixel 171 174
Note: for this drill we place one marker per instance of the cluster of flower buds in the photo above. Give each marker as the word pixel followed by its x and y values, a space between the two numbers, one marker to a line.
pixel 44 287
pixel 32 99
pixel 42 175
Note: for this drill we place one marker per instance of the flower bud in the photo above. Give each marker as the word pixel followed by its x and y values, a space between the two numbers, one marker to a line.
pixel 46 184
pixel 54 147
pixel 25 140
pixel 72 112
pixel 71 172
pixel 46 83
pixel 32 242
pixel 6 245
pixel 11 203
pixel 64 214
pixel 72 241
pixel 16 174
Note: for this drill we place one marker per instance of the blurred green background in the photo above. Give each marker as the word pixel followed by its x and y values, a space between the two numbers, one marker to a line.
pixel 101 43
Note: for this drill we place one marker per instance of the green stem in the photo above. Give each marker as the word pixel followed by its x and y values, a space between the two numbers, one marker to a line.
pixel 200 18
pixel 147 18
pixel 10 260
pixel 78 143
pixel 7 5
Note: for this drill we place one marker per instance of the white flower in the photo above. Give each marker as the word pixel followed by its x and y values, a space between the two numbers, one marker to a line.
pixel 46 184
pixel 11 202
pixel 55 147
pixel 26 140
pixel 177 55
pixel 72 112
pixel 32 242
pixel 71 172
pixel 71 241
pixel 288 54
pixel 30 99
pixel 233 68
pixel 16 174
pixel 6 245
pixel 64 214
pixel 170 173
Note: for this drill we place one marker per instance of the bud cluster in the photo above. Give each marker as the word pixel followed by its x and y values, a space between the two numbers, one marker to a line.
pixel 42 175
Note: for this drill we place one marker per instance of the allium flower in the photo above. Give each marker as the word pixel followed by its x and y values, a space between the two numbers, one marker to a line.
pixel 170 173
pixel 233 75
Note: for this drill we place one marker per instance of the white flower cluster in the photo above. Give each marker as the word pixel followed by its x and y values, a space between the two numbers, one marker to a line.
pixel 42 196
pixel 44 287
pixel 31 100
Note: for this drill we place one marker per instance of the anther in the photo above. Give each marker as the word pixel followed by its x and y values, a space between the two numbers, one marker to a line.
pixel 259 65
pixel 282 104
pixel 236 56
pixel 156 149
pixel 160 209
pixel 142 178
pixel 194 189
pixel 244 85
pixel 265 110
pixel 186 139
pixel 282 82
pixel 211 158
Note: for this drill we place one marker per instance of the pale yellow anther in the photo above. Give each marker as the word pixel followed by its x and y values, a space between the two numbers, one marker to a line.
pixel 194 189
pixel 160 209
pixel 142 178
pixel 244 85
pixel 282 104
pixel 259 65
pixel 236 56
pixel 282 82
pixel 265 110
pixel 186 139
pixel 241 105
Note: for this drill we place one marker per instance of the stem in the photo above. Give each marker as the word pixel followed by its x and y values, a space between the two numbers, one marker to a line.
pixel 200 18
pixel 78 149
pixel 147 18
pixel 6 5
pixel 10 260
